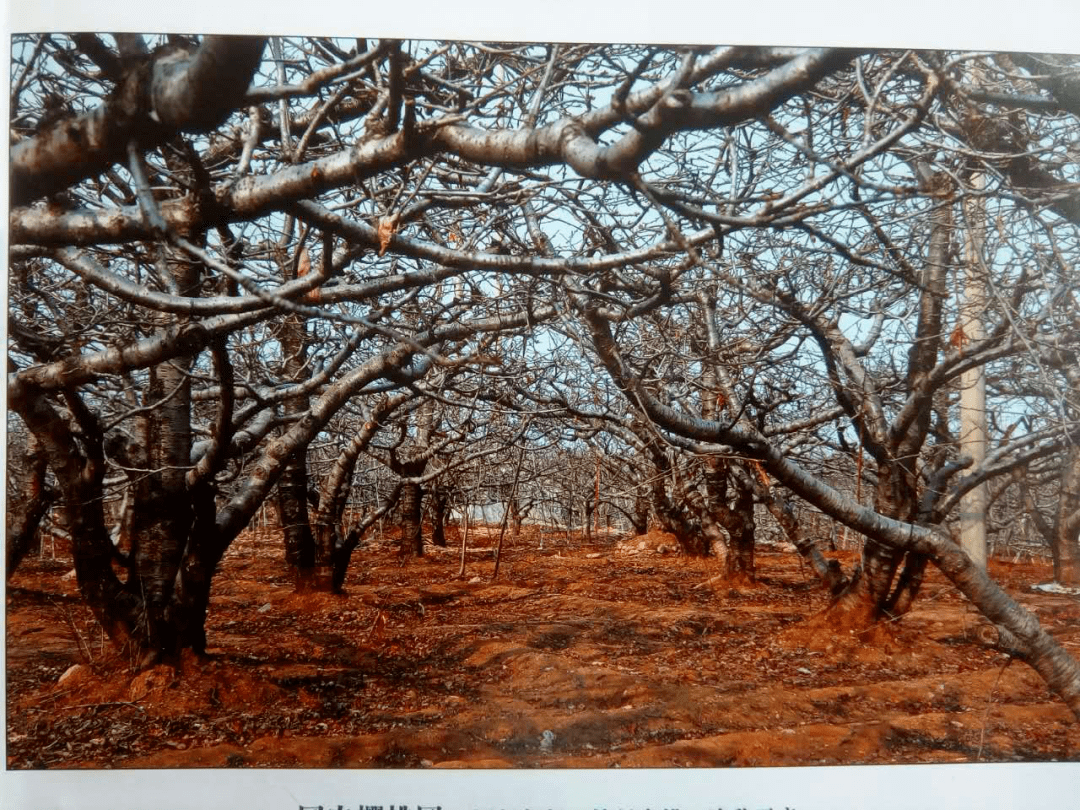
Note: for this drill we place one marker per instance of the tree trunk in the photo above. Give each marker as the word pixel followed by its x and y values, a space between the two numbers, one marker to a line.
pixel 343 550
pixel 827 571
pixel 973 435
pixel 410 463
pixel 439 499
pixel 674 520
pixel 741 561
pixel 328 545
pixel 868 596
pixel 191 596
pixel 738 521
pixel 332 551
pixel 1065 543
pixel 868 599
pixel 709 537
pixel 342 557
pixel 639 520
pixel 27 511
pixel 515 519
pixel 292 489
pixel 295 525
pixel 509 503
pixel 412 538
pixel 79 469
pixel 164 520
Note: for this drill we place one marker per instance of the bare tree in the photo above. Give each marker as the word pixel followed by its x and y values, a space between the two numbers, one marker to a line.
pixel 628 234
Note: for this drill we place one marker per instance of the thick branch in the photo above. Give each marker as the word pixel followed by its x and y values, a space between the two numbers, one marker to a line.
pixel 174 92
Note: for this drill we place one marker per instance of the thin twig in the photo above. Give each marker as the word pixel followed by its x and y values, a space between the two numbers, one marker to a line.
pixel 106 703
pixel 989 701
pixel 506 506
pixel 54 696
pixel 82 644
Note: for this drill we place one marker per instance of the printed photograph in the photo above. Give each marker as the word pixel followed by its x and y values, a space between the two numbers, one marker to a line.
pixel 384 403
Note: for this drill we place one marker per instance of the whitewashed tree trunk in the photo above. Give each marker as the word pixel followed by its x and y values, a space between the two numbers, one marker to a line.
pixel 974 504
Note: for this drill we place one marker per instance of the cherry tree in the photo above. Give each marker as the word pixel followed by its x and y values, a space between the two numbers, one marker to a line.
pixel 223 247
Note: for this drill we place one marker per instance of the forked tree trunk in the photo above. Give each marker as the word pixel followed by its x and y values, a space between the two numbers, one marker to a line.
pixel 510 502
pixel 694 541
pixel 409 463
pixel 870 597
pixel 736 517
pixel 191 595
pixel 872 593
pixel 343 550
pixel 741 527
pixel 79 468
pixel 342 557
pixel 165 518
pixel 333 552
pixel 706 539
pixel 162 532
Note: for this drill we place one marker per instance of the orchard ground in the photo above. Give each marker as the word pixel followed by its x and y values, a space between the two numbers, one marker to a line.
pixel 599 654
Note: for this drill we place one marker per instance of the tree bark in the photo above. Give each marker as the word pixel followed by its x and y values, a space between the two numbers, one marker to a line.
pixel 154 100
pixel 79 469
pixel 412 512
pixel 333 551
pixel 292 490
pixel 1065 543
pixel 639 519
pixel 342 553
pixel 410 463
pixel 868 597
pixel 827 571
pixel 191 595
pixel 439 497
pixel 737 518
pixel 25 514
pixel 973 433
pixel 164 519
pixel 740 561
pixel 295 525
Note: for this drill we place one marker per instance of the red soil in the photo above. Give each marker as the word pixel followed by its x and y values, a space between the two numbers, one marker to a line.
pixel 626 656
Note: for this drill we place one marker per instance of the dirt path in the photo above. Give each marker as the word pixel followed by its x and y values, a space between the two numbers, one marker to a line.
pixel 584 656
